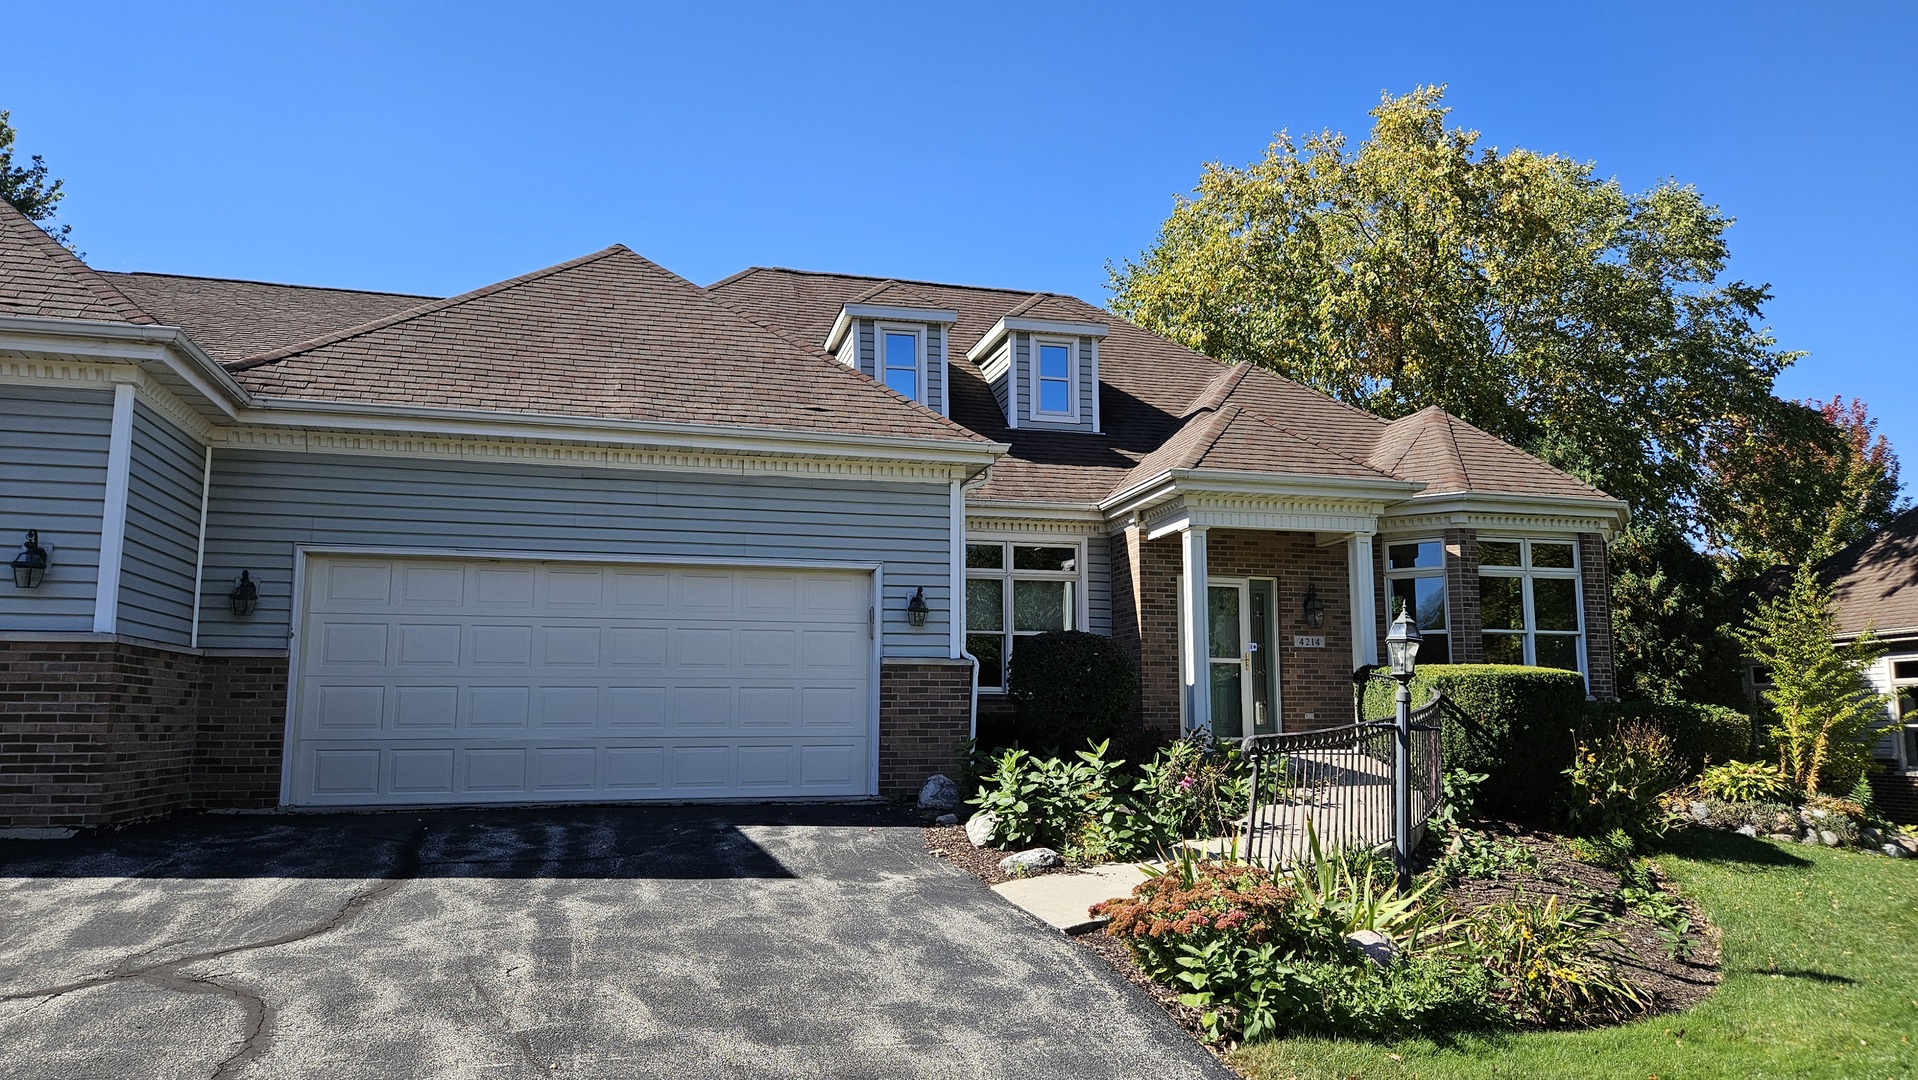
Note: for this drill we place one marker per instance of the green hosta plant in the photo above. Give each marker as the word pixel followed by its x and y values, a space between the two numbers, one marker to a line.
pixel 1745 781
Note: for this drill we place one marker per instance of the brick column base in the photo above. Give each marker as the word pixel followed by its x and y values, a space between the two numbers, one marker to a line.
pixel 925 712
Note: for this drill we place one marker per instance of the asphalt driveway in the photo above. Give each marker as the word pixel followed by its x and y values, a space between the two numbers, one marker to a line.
pixel 604 942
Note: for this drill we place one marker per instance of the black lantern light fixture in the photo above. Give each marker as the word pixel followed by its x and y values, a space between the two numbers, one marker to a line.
pixel 1314 607
pixel 916 609
pixel 30 566
pixel 245 597
pixel 1402 645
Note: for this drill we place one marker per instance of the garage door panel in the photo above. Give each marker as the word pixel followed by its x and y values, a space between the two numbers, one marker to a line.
pixel 446 680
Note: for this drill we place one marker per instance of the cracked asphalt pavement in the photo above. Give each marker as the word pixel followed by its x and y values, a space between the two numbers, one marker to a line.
pixel 683 942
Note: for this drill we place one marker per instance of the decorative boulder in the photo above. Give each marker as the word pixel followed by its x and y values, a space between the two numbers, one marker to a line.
pixel 1701 810
pixel 1894 851
pixel 946 819
pixel 1025 862
pixel 1828 838
pixel 1782 837
pixel 981 826
pixel 939 793
pixel 1747 830
pixel 1378 948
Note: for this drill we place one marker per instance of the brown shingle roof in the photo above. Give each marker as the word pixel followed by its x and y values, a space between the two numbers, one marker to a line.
pixel 610 335
pixel 39 277
pixel 1451 456
pixel 1875 581
pixel 235 319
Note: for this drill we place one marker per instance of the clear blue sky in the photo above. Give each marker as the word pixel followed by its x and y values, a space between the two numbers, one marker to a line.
pixel 436 148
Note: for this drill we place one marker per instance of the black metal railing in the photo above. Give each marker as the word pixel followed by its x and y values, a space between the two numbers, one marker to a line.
pixel 1336 785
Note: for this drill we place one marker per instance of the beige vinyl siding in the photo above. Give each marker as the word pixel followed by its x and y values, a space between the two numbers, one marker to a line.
pixel 163 521
pixel 54 443
pixel 264 503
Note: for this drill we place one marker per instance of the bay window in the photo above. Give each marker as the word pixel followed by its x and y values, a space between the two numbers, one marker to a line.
pixel 1529 603
pixel 1015 590
pixel 1415 581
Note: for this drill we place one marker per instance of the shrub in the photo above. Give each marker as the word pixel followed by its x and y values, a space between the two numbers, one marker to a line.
pixel 1069 687
pixel 1548 962
pixel 1745 781
pixel 1199 902
pixel 1074 804
pixel 1612 850
pixel 1195 788
pixel 1701 735
pixel 1617 779
pixel 1517 725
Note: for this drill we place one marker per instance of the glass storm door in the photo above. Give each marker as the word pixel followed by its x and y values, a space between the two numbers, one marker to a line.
pixel 1229 614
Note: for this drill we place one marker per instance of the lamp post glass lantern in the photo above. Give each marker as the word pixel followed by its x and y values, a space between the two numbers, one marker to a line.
pixel 1402 645
pixel 30 566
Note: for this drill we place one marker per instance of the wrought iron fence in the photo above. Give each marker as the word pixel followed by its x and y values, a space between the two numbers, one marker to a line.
pixel 1338 782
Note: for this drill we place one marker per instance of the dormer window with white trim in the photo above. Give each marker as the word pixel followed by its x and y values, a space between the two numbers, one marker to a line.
pixel 1057 379
pixel 902 355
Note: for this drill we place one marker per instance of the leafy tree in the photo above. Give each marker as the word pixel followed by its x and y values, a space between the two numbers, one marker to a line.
pixel 1825 716
pixel 27 188
pixel 1671 641
pixel 1517 290
pixel 1797 482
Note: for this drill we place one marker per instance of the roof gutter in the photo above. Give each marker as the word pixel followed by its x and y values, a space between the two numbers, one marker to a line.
pixel 136 342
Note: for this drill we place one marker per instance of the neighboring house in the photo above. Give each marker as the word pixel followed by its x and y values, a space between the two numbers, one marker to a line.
pixel 1875 587
pixel 598 533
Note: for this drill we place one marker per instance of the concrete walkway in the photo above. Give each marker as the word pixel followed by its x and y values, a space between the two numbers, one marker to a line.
pixel 1061 900
pixel 681 943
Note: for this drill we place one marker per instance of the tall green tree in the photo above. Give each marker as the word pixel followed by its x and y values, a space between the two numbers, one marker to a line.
pixel 1825 716
pixel 27 188
pixel 1516 289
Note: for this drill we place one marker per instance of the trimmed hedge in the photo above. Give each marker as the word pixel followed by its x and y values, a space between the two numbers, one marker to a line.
pixel 1517 725
pixel 1700 734
pixel 1069 688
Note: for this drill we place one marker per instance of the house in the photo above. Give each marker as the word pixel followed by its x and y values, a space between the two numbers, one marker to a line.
pixel 599 533
pixel 1874 585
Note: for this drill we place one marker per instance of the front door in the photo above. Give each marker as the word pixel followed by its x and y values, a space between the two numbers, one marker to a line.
pixel 1243 666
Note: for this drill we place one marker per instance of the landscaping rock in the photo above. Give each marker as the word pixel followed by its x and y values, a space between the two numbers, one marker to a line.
pixel 946 819
pixel 1782 837
pixel 980 827
pixel 1810 837
pixel 1871 836
pixel 1701 810
pixel 1748 830
pixel 1910 845
pixel 1894 851
pixel 939 793
pixel 1025 862
pixel 1828 838
pixel 1378 948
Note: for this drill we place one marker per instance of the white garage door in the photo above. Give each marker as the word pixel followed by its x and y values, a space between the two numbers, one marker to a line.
pixel 473 681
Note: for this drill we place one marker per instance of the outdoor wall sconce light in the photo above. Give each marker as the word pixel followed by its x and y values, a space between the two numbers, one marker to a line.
pixel 1314 607
pixel 245 596
pixel 30 566
pixel 916 609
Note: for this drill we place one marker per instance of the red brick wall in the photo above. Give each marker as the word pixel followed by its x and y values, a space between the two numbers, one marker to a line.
pixel 242 728
pixel 94 732
pixel 1596 572
pixel 925 712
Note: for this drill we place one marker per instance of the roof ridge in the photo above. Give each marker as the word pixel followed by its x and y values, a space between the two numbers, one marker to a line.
pixel 256 281
pixel 1410 442
pixel 1302 437
pixel 1458 454
pixel 1509 447
pixel 249 362
pixel 1025 305
pixel 874 291
pixel 85 276
pixel 872 277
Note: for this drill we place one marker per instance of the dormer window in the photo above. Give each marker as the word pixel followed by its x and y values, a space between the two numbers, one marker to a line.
pixel 1056 379
pixel 903 352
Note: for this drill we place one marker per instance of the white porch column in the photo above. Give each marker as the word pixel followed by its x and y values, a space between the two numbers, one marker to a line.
pixel 113 519
pixel 1365 615
pixel 1194 618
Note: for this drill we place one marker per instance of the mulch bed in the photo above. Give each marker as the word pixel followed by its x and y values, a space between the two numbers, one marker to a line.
pixel 1641 952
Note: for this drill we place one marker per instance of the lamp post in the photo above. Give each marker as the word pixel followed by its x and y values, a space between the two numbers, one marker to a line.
pixel 1402 647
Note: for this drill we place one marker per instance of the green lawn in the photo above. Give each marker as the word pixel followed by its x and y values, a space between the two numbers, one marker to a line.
pixel 1821 980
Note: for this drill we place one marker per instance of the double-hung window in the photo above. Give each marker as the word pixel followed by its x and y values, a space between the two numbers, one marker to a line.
pixel 902 360
pixel 1529 603
pixel 1415 581
pixel 1904 690
pixel 1014 590
pixel 1055 379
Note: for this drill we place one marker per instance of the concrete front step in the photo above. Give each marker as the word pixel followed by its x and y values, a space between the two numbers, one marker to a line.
pixel 1061 900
